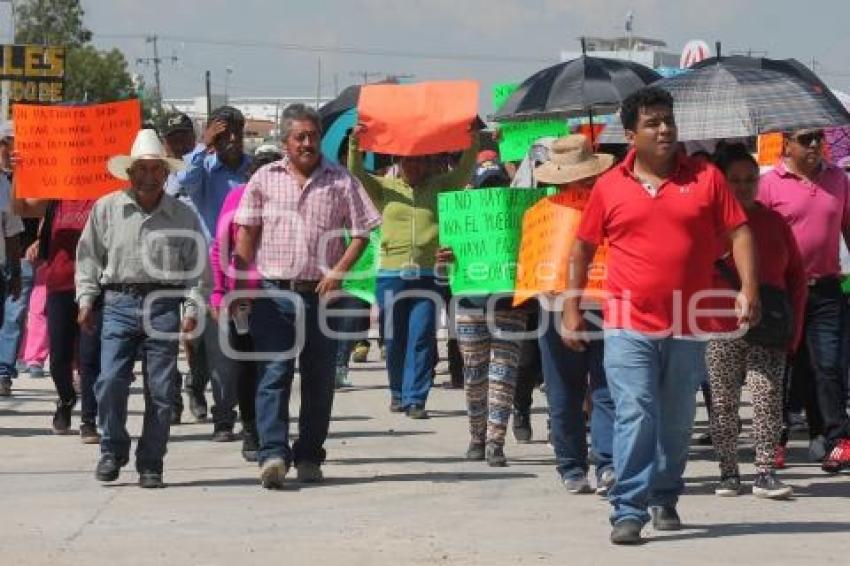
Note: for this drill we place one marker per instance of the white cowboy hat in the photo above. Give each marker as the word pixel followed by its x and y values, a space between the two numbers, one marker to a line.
pixel 571 159
pixel 146 146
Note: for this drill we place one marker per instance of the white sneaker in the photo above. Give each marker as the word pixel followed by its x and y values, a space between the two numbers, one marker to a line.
pixel 272 473
pixel 606 482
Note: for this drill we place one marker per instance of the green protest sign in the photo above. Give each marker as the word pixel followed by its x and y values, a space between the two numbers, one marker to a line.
pixel 484 228
pixel 518 137
pixel 360 280
pixel 501 92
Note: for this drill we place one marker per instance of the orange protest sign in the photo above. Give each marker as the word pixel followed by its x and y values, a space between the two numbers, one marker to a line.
pixel 769 149
pixel 418 119
pixel 64 149
pixel 548 233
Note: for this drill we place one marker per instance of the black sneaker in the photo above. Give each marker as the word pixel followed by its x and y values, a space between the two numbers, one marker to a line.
pixel 62 416
pixel 396 406
pixel 522 426
pixel 495 454
pixel 768 486
pixel 150 479
pixel 666 518
pixel 176 415
pixel 223 433
pixel 729 486
pixel 198 406
pixel 109 467
pixel 88 433
pixel 627 531
pixel 475 452
pixel 250 442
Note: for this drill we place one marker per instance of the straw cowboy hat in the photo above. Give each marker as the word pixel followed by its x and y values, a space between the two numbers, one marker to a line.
pixel 146 146
pixel 571 159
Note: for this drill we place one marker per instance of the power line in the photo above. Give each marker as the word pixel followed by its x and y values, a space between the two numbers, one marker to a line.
pixel 349 50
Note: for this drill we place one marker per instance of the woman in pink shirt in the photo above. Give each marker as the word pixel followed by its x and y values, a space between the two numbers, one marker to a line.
pixel 224 281
pixel 732 360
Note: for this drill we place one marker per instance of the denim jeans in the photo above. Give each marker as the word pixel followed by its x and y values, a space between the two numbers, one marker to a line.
pixel 122 335
pixel 411 306
pixel 565 372
pixel 823 342
pixel 653 382
pixel 356 325
pixel 13 314
pixel 223 373
pixel 67 342
pixel 275 326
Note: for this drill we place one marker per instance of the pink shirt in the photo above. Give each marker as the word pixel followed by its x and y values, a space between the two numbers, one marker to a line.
pixel 817 212
pixel 222 250
pixel 303 229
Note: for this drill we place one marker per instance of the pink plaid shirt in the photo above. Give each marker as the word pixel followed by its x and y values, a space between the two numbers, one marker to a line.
pixel 303 229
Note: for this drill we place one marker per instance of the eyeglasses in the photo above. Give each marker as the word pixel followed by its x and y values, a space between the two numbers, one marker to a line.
pixel 806 140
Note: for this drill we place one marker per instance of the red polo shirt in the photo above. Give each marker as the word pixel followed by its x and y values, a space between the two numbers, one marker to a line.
pixel 662 249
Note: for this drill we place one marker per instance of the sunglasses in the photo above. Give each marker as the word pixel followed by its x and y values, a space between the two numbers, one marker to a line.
pixel 808 139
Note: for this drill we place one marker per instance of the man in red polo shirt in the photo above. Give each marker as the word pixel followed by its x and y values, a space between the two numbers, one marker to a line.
pixel 814 198
pixel 665 216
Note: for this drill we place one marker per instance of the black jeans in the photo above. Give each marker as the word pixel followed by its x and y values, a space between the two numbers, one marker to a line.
pixel 530 371
pixel 246 376
pixel 66 343
pixel 818 376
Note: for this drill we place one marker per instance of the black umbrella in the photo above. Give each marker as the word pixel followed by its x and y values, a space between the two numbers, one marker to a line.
pixel 346 100
pixel 581 87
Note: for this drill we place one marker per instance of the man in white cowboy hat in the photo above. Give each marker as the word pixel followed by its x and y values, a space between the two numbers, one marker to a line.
pixel 139 252
pixel 573 168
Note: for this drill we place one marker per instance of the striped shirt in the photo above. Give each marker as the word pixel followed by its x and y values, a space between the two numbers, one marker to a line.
pixel 303 229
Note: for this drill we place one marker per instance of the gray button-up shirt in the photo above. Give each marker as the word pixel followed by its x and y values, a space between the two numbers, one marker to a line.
pixel 122 243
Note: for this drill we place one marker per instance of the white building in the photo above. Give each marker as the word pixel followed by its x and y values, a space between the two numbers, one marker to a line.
pixel 644 50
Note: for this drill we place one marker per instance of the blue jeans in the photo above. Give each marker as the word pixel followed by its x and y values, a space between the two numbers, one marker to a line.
pixel 122 335
pixel 410 334
pixel 565 372
pixel 274 324
pixel 14 314
pixel 653 382
pixel 224 373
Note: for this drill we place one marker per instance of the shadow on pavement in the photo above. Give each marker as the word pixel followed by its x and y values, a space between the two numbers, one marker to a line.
pixel 751 529
pixel 293 485
pixel 397 460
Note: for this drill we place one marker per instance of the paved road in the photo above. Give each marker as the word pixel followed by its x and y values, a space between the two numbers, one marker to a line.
pixel 397 492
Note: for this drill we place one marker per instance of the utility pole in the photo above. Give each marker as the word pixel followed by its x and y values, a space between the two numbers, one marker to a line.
pixel 209 95
pixel 227 72
pixel 319 84
pixel 155 61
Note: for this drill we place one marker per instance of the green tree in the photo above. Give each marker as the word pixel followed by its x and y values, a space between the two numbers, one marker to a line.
pixel 51 22
pixel 96 76
pixel 91 75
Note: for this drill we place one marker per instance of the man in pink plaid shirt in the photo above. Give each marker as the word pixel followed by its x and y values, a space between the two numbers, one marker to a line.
pixel 292 221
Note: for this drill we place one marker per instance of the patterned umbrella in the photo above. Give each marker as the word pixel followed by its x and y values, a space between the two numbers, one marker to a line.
pixel 739 97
